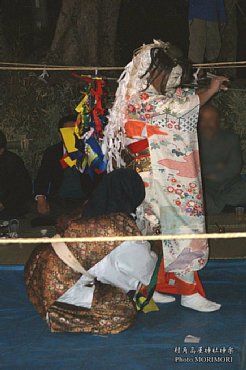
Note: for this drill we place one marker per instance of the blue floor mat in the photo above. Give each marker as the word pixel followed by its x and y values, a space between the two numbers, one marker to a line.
pixel 155 342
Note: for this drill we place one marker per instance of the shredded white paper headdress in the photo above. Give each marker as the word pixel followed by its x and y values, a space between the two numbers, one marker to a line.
pixel 130 82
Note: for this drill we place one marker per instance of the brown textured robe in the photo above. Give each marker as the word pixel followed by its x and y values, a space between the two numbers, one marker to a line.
pixel 48 278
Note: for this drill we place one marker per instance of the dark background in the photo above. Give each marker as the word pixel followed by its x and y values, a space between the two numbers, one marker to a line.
pixel 140 21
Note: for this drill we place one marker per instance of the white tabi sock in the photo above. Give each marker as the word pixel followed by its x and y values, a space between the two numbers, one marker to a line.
pixel 199 303
pixel 163 298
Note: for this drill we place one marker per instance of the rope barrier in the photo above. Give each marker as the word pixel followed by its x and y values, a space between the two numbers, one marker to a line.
pixel 11 66
pixel 64 68
pixel 220 64
pixel 45 240
pixel 223 67
pixel 32 64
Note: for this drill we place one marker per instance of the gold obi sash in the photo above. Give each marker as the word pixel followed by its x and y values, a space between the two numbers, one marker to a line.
pixel 140 162
pixel 139 150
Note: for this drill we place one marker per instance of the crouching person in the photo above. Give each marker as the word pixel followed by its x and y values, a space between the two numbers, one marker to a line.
pixel 93 287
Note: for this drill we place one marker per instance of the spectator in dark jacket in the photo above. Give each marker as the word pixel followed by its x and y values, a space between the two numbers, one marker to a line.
pixel 15 183
pixel 59 191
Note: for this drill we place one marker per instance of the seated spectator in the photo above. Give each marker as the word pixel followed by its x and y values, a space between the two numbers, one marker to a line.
pixel 221 160
pixel 15 183
pixel 59 191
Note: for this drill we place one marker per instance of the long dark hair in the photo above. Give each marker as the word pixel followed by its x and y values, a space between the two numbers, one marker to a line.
pixel 120 191
pixel 164 60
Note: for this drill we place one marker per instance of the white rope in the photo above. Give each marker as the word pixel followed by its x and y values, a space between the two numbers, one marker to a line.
pixel 40 67
pixel 220 64
pixel 64 68
pixel 123 238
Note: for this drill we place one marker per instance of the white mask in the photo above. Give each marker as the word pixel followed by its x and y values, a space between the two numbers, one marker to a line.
pixel 174 79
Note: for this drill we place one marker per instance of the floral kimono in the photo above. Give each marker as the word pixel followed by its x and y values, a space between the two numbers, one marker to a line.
pixel 162 137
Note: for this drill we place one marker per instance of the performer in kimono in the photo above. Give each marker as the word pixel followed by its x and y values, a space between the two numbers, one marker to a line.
pixel 155 121
pixel 93 287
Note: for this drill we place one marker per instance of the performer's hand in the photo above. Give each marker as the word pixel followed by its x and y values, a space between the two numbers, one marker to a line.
pixel 217 84
pixel 43 206
pixel 1 207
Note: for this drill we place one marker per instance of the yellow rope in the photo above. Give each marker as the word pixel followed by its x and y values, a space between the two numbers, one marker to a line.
pixel 123 238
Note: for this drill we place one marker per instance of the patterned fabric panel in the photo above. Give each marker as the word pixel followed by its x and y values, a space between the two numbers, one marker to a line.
pixel 47 278
pixel 186 123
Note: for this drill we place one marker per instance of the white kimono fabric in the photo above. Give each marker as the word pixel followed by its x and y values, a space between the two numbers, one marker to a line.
pixel 125 267
pixel 173 181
